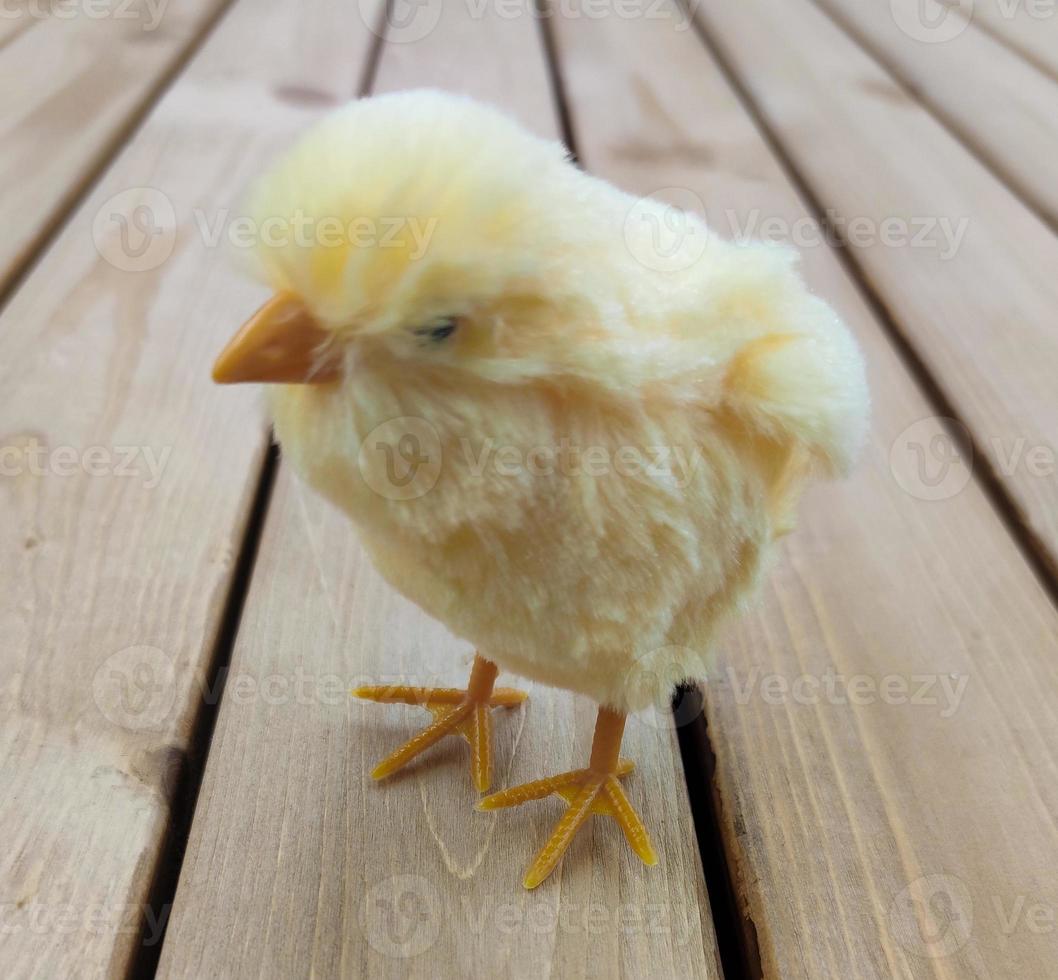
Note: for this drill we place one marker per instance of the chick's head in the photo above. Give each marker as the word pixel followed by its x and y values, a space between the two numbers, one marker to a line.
pixel 419 229
pixel 423 250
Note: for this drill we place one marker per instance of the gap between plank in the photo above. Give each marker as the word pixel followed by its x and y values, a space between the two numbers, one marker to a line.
pixel 18 32
pixel 1028 543
pixel 544 13
pixel 1029 57
pixel 922 99
pixel 188 781
pixel 735 936
pixel 80 191
pixel 162 894
pixel 374 55
pixel 736 933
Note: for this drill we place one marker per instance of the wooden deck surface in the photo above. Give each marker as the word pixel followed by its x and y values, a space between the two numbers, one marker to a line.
pixel 872 789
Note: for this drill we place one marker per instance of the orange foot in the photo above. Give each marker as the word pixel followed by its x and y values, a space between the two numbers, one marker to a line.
pixel 456 712
pixel 587 791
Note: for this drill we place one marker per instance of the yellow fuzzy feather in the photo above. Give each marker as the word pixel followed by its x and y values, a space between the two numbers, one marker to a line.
pixel 611 448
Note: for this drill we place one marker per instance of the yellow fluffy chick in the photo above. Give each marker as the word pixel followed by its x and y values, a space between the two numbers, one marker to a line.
pixel 573 448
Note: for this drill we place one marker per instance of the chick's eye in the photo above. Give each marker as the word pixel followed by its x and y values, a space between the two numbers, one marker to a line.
pixel 438 331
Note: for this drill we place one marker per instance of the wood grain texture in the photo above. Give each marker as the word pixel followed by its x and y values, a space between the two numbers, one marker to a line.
pixel 1007 114
pixel 978 306
pixel 74 82
pixel 298 863
pixel 126 483
pixel 885 723
pixel 1028 28
pixel 17 20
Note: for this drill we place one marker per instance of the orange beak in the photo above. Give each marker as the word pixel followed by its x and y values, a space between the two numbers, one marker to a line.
pixel 281 343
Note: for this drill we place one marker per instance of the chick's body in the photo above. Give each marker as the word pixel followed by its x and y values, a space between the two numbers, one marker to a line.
pixel 610 446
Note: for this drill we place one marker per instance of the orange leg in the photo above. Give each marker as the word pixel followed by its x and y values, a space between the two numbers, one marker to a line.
pixel 587 791
pixel 456 712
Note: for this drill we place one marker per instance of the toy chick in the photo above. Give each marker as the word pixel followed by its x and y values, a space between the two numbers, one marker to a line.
pixel 657 421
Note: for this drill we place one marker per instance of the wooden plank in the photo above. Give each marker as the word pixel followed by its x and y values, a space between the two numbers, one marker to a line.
pixel 74 83
pixel 298 864
pixel 849 805
pixel 1006 114
pixel 1027 26
pixel 963 267
pixel 127 479
pixel 16 22
pixel 19 16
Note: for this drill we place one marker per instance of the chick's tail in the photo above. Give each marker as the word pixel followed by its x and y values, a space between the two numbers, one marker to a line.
pixel 799 378
pixel 798 383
